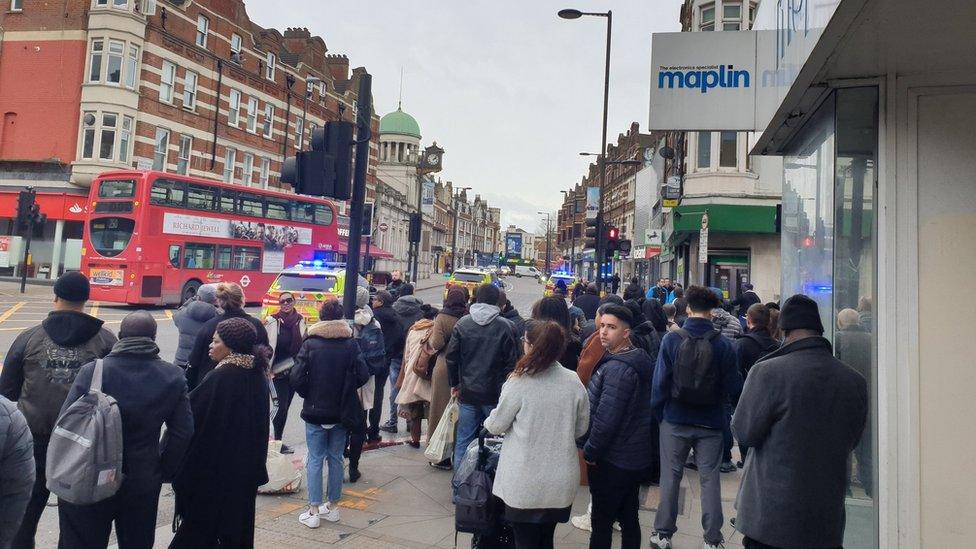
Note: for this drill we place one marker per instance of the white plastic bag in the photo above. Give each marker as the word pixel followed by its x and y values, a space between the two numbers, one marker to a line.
pixel 441 444
pixel 284 476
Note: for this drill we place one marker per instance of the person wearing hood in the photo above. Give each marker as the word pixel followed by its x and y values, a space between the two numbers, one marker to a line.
pixel 393 338
pixel 216 487
pixel 643 335
pixel 693 420
pixel 480 355
pixel 725 323
pixel 654 312
pixel 511 314
pixel 328 371
pixel 852 346
pixel 579 289
pixel 408 310
pixel 290 329
pixel 190 318
pixel 366 329
pixel 798 397
pixel 150 393
pixel 38 372
pixel 615 283
pixel 16 469
pixel 230 299
pixel 618 447
pixel 455 307
pixel 589 302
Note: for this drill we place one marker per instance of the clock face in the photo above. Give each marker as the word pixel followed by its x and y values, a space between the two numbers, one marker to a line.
pixel 433 159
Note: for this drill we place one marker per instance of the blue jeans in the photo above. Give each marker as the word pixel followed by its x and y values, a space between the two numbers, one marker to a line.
pixel 324 444
pixel 395 364
pixel 469 423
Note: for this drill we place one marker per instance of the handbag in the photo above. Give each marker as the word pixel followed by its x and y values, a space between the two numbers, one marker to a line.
pixel 440 446
pixel 423 366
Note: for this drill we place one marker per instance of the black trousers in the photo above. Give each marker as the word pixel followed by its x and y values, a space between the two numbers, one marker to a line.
pixel 727 437
pixel 614 494
pixel 282 385
pixel 39 494
pixel 357 437
pixel 133 510
pixel 533 535
pixel 375 415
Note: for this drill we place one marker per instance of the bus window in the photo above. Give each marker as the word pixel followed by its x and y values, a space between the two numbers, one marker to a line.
pixel 199 256
pixel 227 200
pixel 304 212
pixel 247 258
pixel 223 257
pixel 277 208
pixel 174 255
pixel 199 197
pixel 323 215
pixel 166 192
pixel 117 189
pixel 250 204
pixel 110 235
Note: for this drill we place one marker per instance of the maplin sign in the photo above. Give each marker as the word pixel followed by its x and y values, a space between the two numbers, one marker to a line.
pixel 703 81
pixel 702 78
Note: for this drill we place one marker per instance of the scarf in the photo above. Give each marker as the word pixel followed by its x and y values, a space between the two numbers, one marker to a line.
pixel 289 325
pixel 237 359
pixel 143 346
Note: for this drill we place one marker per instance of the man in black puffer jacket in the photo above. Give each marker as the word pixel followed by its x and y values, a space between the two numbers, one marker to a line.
pixel 618 448
pixel 393 339
pixel 589 302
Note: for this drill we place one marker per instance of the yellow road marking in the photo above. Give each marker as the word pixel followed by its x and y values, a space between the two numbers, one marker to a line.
pixel 94 310
pixel 11 311
pixel 169 314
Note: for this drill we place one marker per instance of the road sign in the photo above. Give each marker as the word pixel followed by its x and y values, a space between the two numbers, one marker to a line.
pixel 669 203
pixel 384 227
pixel 703 240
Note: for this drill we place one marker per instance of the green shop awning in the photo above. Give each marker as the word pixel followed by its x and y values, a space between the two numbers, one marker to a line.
pixel 726 218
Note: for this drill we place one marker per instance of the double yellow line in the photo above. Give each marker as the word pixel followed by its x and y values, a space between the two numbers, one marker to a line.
pixel 9 312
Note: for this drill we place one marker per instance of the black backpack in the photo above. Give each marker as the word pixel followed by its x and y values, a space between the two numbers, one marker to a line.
pixel 695 380
pixel 475 507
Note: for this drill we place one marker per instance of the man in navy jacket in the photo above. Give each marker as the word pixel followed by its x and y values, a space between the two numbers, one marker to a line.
pixel 685 426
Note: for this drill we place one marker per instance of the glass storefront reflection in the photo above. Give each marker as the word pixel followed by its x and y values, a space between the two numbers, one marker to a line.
pixel 828 244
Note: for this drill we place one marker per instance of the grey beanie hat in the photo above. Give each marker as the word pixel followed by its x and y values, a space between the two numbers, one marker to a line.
pixel 207 293
pixel 362 297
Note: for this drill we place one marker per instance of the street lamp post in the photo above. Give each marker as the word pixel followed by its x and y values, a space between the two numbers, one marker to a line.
pixel 572 232
pixel 576 14
pixel 456 197
pixel 548 243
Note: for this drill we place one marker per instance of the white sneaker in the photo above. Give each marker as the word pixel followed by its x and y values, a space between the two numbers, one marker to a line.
pixel 310 519
pixel 720 545
pixel 660 542
pixel 582 522
pixel 329 512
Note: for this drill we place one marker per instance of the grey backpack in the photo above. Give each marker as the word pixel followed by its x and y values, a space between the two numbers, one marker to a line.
pixel 84 456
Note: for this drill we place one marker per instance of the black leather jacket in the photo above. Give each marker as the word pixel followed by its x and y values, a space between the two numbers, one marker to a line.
pixel 481 353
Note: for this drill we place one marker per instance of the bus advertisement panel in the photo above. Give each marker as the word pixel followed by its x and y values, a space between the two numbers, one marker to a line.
pixel 154 238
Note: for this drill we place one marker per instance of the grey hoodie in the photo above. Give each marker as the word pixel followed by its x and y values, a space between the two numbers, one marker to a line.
pixel 483 313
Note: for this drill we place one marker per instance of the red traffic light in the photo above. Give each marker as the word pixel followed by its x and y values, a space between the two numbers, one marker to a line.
pixel 613 233
pixel 808 242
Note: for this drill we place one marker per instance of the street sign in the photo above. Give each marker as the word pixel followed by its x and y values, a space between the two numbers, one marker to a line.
pixel 384 227
pixel 652 237
pixel 669 203
pixel 703 240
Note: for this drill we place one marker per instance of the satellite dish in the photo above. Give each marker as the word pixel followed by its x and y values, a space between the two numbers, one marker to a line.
pixel 667 152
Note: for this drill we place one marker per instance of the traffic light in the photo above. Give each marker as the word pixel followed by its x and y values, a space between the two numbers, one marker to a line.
pixel 367 219
pixel 612 245
pixel 414 233
pixel 25 205
pixel 326 170
pixel 590 233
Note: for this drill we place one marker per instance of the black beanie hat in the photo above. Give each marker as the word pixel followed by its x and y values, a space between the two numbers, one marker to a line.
pixel 72 286
pixel 800 313
pixel 238 334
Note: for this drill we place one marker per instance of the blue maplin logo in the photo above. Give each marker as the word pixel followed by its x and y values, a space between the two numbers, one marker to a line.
pixel 702 78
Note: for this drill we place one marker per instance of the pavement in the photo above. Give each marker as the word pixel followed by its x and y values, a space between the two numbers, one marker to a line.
pixel 400 501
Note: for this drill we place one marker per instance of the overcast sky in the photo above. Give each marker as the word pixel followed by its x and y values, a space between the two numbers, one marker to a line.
pixel 510 91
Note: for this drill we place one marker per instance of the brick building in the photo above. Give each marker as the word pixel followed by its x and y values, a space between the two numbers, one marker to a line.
pixel 192 88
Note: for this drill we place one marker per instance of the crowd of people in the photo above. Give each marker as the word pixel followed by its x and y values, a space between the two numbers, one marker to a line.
pixel 633 388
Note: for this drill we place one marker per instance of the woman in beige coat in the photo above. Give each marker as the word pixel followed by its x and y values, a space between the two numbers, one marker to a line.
pixel 455 306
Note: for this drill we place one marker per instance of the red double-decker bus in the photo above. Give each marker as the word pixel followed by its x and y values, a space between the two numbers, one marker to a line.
pixel 153 238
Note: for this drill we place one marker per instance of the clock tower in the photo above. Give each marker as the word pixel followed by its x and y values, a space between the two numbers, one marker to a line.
pixel 431 160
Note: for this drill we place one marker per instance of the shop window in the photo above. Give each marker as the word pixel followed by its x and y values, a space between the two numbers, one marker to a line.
pixel 230 158
pixel 728 150
pixel 198 256
pixel 707 22
pixel 203 28
pixel 704 150
pixel 185 154
pixel 161 150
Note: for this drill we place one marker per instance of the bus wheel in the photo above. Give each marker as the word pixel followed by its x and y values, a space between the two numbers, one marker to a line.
pixel 189 291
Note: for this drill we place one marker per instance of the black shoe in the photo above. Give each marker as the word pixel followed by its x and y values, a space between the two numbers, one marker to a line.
pixel 728 467
pixel 443 465
pixel 413 444
pixel 389 428
pixel 739 464
pixel 285 449
pixel 373 438
pixel 354 475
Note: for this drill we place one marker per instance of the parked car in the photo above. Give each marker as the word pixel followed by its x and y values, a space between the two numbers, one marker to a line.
pixel 525 270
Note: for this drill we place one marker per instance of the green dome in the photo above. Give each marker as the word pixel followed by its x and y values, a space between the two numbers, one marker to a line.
pixel 401 123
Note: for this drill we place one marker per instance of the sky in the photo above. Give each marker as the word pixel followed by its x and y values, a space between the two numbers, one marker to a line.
pixel 512 92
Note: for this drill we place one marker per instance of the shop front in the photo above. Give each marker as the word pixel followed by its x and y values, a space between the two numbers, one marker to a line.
pixel 55 246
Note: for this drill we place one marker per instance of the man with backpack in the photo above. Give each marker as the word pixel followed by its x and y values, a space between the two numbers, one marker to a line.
pixel 749 348
pixel 695 378
pixel 149 393
pixel 38 372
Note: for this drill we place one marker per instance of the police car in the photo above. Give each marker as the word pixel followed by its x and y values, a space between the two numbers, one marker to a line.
pixel 570 280
pixel 311 283
pixel 470 279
